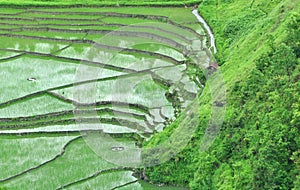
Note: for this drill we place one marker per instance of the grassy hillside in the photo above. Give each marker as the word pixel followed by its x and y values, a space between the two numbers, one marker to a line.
pixel 258 146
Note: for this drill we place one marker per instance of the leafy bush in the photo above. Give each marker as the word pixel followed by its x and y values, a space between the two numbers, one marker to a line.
pixel 239 25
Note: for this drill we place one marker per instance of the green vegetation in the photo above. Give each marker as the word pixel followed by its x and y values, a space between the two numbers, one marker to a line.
pixel 148 186
pixel 258 145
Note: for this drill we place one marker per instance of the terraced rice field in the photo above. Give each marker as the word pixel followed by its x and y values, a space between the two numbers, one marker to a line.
pixel 68 74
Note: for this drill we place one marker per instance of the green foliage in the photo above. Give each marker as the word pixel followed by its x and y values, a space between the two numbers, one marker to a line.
pixel 254 150
pixel 258 145
pixel 239 25
pixel 276 96
pixel 294 33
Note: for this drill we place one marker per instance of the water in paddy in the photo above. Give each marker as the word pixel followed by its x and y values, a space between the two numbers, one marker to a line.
pixel 47 138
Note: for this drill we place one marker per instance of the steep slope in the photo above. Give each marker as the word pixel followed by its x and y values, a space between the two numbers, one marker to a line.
pixel 258 146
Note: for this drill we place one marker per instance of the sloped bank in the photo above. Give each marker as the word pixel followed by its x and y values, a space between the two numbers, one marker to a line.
pixel 258 146
pixel 213 104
